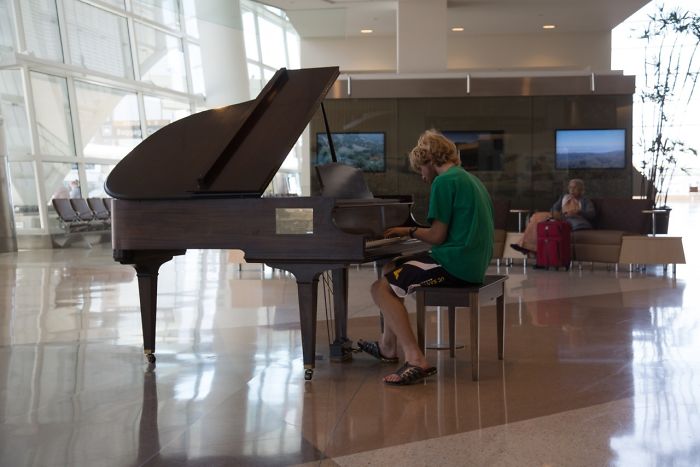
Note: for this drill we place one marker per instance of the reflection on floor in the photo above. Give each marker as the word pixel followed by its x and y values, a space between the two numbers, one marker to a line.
pixel 601 368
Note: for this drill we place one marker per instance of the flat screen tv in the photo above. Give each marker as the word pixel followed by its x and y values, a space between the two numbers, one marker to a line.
pixel 362 150
pixel 590 149
pixel 478 150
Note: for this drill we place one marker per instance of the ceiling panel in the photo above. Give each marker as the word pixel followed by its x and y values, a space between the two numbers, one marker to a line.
pixel 343 18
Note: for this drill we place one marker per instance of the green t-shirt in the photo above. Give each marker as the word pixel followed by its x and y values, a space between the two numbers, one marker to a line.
pixel 460 200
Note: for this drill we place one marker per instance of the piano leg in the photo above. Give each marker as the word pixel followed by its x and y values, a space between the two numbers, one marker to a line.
pixel 306 276
pixel 308 299
pixel 341 348
pixel 147 264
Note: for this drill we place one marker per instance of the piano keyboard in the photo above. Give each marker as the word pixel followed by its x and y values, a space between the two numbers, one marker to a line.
pixel 385 241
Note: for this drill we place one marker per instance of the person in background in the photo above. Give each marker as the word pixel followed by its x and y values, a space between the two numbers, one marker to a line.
pixel 61 192
pixel 460 214
pixel 572 207
pixel 75 189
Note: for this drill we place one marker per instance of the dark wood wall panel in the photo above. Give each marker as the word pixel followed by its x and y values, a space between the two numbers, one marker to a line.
pixel 528 177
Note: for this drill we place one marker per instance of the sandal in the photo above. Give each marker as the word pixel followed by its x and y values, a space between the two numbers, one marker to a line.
pixel 373 349
pixel 409 374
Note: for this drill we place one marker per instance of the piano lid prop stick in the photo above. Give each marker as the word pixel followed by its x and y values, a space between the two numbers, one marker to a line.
pixel 250 119
pixel 328 134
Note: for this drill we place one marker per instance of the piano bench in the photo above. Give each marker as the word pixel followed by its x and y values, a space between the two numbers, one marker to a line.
pixel 471 296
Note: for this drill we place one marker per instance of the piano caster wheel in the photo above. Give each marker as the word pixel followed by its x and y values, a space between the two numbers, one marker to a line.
pixel 308 374
pixel 151 358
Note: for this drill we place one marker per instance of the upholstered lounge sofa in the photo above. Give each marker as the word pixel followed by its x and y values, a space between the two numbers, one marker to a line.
pixel 615 217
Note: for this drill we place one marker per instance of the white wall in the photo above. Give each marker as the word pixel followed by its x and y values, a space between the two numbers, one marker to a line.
pixel 526 51
pixel 369 53
pixel 558 50
pixel 420 32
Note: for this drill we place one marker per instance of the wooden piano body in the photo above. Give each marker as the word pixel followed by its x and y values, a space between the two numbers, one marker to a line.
pixel 173 193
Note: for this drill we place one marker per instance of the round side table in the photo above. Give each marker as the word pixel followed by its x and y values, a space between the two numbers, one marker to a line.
pixel 653 213
pixel 520 213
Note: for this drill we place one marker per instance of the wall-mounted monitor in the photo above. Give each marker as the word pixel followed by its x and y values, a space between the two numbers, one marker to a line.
pixel 478 150
pixel 365 151
pixel 590 149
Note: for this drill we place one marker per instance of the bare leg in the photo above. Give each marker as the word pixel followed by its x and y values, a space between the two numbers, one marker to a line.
pixel 529 239
pixel 397 322
pixel 387 343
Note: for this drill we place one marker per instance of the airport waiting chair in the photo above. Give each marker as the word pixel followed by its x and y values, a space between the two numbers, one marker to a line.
pixel 67 216
pixel 82 208
pixel 98 207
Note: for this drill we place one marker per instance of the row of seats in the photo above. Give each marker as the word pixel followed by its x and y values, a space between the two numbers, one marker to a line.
pixel 79 214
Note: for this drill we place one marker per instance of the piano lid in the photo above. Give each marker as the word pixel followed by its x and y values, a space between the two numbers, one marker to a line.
pixel 233 151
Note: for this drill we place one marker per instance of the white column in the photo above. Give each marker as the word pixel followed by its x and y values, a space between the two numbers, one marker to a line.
pixel 8 236
pixel 223 52
pixel 421 36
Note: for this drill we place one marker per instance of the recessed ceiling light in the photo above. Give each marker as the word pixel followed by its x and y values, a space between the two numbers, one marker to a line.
pixel 549 26
pixel 458 29
pixel 366 31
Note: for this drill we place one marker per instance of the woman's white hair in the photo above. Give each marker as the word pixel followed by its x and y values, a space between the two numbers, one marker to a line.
pixel 578 182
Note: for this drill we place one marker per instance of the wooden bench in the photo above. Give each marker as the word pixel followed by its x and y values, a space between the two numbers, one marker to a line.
pixel 471 296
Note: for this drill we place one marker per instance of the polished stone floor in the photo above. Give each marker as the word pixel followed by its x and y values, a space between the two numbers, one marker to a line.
pixel 602 367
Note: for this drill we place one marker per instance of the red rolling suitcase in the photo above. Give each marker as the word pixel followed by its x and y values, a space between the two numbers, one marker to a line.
pixel 553 244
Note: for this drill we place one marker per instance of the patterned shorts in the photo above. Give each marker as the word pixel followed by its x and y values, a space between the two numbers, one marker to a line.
pixel 419 270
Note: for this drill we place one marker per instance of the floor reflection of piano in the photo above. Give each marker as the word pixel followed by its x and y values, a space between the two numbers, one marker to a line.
pixel 197 183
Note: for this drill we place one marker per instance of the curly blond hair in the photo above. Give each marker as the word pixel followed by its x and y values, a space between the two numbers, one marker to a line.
pixel 433 147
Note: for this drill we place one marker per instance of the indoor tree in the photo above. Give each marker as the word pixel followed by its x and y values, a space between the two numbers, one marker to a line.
pixel 670 76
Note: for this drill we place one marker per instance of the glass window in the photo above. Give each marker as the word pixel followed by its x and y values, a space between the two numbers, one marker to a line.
pixel 109 120
pixel 7 31
pixel 250 36
pixel 165 12
pixel 14 112
pixel 284 184
pixel 274 10
pixel 293 50
pixel 96 175
pixel 254 79
pixel 293 185
pixel 190 11
pixel 40 22
pixel 161 59
pixel 161 112
pixel 117 3
pixel 197 71
pixel 61 180
pixel 291 162
pixel 25 202
pixel 268 74
pixel 272 44
pixel 98 40
pixel 53 118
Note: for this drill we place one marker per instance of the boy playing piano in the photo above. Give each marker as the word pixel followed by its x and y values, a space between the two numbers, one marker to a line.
pixel 461 234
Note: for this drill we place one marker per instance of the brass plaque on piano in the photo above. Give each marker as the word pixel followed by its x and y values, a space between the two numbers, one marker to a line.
pixel 296 221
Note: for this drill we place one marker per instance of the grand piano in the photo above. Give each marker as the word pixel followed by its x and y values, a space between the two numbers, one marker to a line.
pixel 198 183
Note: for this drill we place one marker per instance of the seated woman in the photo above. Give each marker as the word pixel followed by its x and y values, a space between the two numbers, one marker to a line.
pixel 572 207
